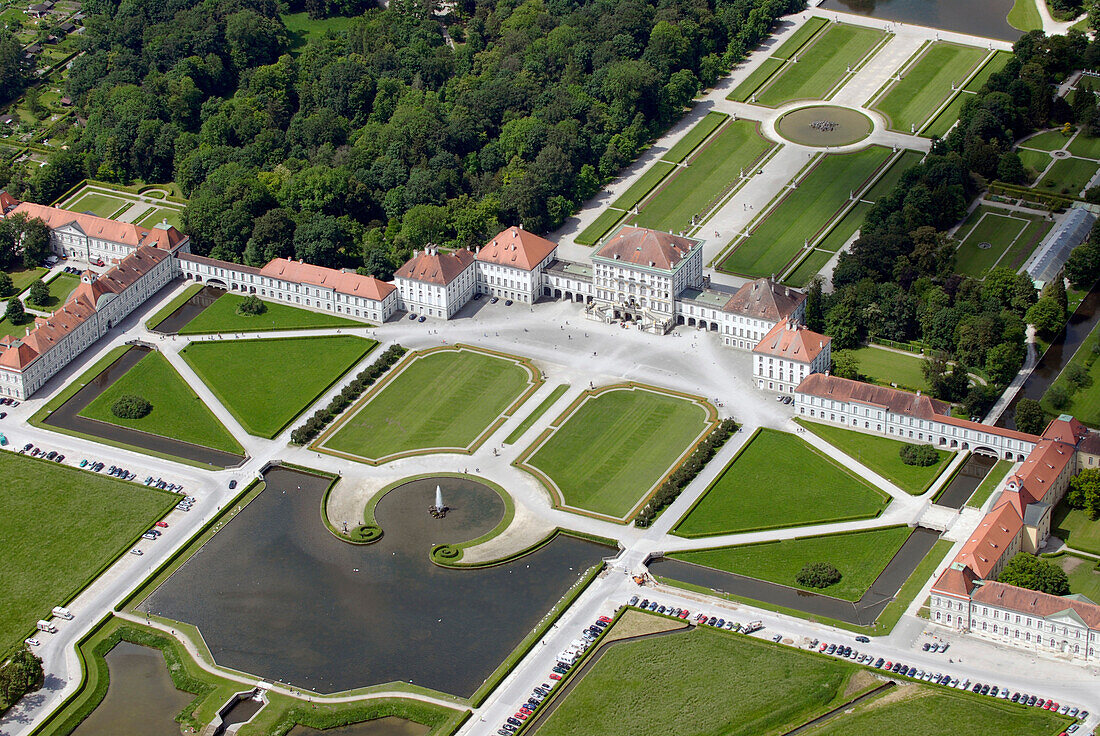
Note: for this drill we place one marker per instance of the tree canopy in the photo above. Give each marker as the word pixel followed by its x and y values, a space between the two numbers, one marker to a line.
pixel 1028 571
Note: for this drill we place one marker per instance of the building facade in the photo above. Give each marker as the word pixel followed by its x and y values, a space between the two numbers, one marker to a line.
pixel 511 265
pixel 436 284
pixel 788 354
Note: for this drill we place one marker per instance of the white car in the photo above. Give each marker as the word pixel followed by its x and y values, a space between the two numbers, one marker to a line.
pixel 136 551
pixel 32 642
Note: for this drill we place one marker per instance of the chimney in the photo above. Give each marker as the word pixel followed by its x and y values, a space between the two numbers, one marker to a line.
pixel 415 253
pixel 918 392
pixel 521 226
pixel 476 252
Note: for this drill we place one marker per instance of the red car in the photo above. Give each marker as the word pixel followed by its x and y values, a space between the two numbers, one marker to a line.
pixel 605 619
pixel 555 676
pixel 162 524
pixel 521 716
pixel 683 614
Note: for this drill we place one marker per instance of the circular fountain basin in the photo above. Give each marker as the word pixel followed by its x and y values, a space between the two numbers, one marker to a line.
pixel 824 126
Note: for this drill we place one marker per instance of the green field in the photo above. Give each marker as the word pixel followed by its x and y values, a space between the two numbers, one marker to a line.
pixel 821 65
pixel 616 446
pixel 750 494
pixel 890 178
pixel 300 27
pixel 1000 231
pixel 221 316
pixel 1051 140
pixel 804 212
pixel 7 329
pixel 1084 577
pixel 800 37
pixel 694 137
pixel 1084 146
pixel 159 214
pixel 59 527
pixel 1067 176
pixel 947 117
pixel 100 205
pixel 445 399
pixel 1036 162
pixel 886 366
pixel 810 266
pixel 643 186
pixel 599 227
pixel 860 557
pixel 700 683
pixel 1084 403
pixel 60 287
pixel 992 479
pixel 743 92
pixel 1024 16
pixel 880 454
pixel 21 278
pixel 266 383
pixel 533 417
pixel 1076 529
pixel 711 172
pixel 996 63
pixel 927 84
pixel 178 412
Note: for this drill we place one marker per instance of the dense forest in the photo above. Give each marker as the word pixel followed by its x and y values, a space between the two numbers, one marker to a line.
pixel 366 143
pixel 898 280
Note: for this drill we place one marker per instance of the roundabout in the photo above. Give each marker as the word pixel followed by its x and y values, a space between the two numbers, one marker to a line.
pixel 824 126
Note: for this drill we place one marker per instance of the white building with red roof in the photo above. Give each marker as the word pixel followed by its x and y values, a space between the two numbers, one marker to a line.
pixel 756 308
pixel 436 283
pixel 511 265
pixel 788 354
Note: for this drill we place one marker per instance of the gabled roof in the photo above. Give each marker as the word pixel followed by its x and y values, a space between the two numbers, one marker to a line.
pixel 764 299
pixel 985 547
pixel 891 399
pixel 792 341
pixel 957 580
pixel 1035 603
pixel 517 248
pixel 352 284
pixel 1065 429
pixel 645 247
pixel 434 267
pixel 7 202
pixel 161 235
pixel 1042 467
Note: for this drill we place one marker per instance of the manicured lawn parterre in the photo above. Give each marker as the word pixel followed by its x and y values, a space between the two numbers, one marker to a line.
pixel 8 329
pixel 881 455
pixel 821 65
pixel 859 556
pixel 1051 140
pixel 1009 236
pixel 612 449
pixel 992 479
pixel 1024 16
pixel 691 140
pixel 1084 146
pixel 1036 162
pixel 700 683
pixel 777 480
pixel 927 84
pixel 538 412
pixel 1084 403
pixel 713 169
pixel 1084 577
pixel 947 117
pixel 796 40
pixel 1067 176
pixel 637 191
pixel 178 412
pixel 444 399
pixel 1076 529
pixel 599 227
pixel 98 204
pixel 178 301
pixel 266 383
pixel 159 214
pixel 58 528
pixel 810 266
pixel 222 316
pixel 60 287
pixel 759 75
pixel 21 278
pixel 886 366
pixel 804 212
pixel 996 63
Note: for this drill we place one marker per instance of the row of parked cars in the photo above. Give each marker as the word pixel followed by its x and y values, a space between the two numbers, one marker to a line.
pixel 700 619
pixel 7 401
pixel 30 449
pixel 939 678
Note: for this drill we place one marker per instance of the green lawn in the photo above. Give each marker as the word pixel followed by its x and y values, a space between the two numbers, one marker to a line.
pixel 996 474
pixel 890 178
pixel 880 454
pixel 60 287
pixel 700 683
pixel 947 117
pixel 1084 146
pixel 616 446
pixel 885 367
pixel 811 265
pixel 98 204
pixel 599 227
pixel 21 278
pixel 860 557
pixel 1051 140
pixel 799 37
pixel 1024 16
pixel 1084 403
pixel 1076 529
pixel 538 412
pixel 845 229
pixel 159 214
pixel 711 172
pixel 300 27
pixel 1084 577
pixel 266 383
pixel 221 316
pixel 643 186
pixel 178 412
pixel 1067 176
pixel 935 711
pixel 750 494
pixel 7 329
pixel 996 63
pixel 1035 161
pixel 58 528
pixel 694 137
pixel 821 65
pixel 743 92
pixel 927 84
pixel 804 212
pixel 178 301
pixel 445 399
pixel 998 230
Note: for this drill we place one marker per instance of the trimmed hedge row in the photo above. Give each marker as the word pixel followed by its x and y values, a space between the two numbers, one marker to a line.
pixel 678 481
pixel 320 419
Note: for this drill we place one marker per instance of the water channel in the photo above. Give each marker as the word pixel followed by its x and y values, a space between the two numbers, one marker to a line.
pixel 862 612
pixel 141 698
pixel 966 481
pixel 67 416
pixel 988 18
pixel 190 309
pixel 276 595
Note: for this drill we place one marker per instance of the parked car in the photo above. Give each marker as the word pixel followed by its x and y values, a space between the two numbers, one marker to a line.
pixel 863 640
pixel 136 551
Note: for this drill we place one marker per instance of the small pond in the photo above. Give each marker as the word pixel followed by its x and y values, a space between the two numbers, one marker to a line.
pixel 988 18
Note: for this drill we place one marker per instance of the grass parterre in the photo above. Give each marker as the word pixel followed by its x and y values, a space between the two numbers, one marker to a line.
pixel 224 316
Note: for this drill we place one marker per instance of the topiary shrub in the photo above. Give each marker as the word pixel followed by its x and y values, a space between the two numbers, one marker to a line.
pixel 365 533
pixel 445 552
pixel 922 455
pixel 251 306
pixel 131 407
pixel 818 575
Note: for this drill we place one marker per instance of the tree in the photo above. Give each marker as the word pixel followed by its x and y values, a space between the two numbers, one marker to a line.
pixel 1003 361
pixel 251 306
pixel 38 294
pixel 22 674
pixel 7 287
pixel 1083 266
pixel 1030 416
pixel 919 455
pixel 1046 315
pixel 1028 571
pixel 1057 396
pixel 15 314
pixel 1084 492
pixel 846 365
pixel 129 406
pixel 11 66
pixel 318 240
pixel 818 575
pixel 1056 290
pixel 1011 169
pixel 36 242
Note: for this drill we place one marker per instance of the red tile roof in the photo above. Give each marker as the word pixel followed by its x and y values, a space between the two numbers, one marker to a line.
pixel 160 236
pixel 352 284
pixel 517 248
pixel 891 399
pixel 1043 466
pixel 792 342
pixel 996 532
pixel 957 580
pixel 1035 603
pixel 239 267
pixel 644 247
pixel 433 267
pixel 7 201
pixel 1065 429
pixel 764 299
